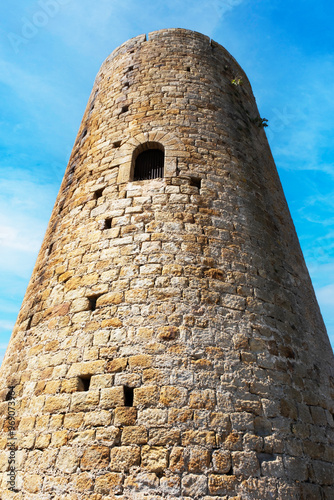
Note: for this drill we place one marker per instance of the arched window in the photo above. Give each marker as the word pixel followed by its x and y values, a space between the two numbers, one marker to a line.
pixel 149 164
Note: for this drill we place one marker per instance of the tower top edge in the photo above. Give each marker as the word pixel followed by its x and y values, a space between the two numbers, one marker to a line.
pixel 183 34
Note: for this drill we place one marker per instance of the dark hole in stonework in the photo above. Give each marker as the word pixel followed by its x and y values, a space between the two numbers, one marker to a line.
pixel 229 473
pixel 84 133
pixel 266 457
pixel 29 323
pixel 117 144
pixel 130 68
pixel 196 182
pixel 50 249
pixel 188 68
pixel 92 302
pixel 98 193
pixel 126 84
pixel 85 382
pixel 149 165
pixel 107 224
pixel 125 109
pixel 128 396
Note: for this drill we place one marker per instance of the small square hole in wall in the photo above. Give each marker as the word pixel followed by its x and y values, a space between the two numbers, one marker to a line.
pixel 196 182
pixel 128 396
pixel 117 144
pixel 130 68
pixel 125 109
pixel 98 193
pixel 107 224
pixel 188 68
pixel 84 382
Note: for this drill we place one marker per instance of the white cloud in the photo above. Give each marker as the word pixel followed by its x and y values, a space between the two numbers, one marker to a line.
pixel 325 295
pixel 6 325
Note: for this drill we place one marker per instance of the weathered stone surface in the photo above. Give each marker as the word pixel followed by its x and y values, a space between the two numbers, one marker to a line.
pixel 124 457
pixel 169 344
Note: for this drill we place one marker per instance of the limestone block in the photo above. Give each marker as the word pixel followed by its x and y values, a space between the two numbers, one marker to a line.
pixel 124 457
pixel 111 482
pixel 194 485
pixel 154 458
pixel 112 397
pixel 134 435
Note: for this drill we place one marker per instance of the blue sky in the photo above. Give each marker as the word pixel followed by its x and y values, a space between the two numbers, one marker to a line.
pixel 50 52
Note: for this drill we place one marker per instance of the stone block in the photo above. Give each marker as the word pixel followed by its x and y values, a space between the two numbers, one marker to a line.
pixel 124 457
pixel 146 396
pixel 109 483
pixel 154 458
pixel 202 399
pixel 134 435
pixel 95 458
pixel 194 486
pixel 117 365
pixel 221 461
pixel 199 460
pixel 125 416
pixel 112 397
pixel 67 460
pixel 33 483
pixel 222 485
pixel 84 401
pixel 152 417
pixel 54 404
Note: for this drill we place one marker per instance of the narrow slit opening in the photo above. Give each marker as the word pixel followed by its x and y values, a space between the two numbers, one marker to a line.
pixel 128 396
pixel 29 323
pixel 50 249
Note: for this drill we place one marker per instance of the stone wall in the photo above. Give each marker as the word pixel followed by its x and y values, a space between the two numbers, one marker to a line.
pixel 169 344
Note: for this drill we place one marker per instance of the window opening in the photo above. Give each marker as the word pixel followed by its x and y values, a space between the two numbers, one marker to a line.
pixel 128 396
pixel 84 383
pixel 117 144
pixel 149 165
pixel 92 301
pixel 125 109
pixel 98 193
pixel 107 224
pixel 196 182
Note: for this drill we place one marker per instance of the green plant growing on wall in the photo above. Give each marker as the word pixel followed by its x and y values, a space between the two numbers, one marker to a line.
pixel 260 122
pixel 237 81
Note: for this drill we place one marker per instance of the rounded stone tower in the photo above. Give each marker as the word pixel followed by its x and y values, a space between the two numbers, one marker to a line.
pixel 169 344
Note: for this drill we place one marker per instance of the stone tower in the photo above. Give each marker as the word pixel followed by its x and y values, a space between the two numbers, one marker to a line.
pixel 169 344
